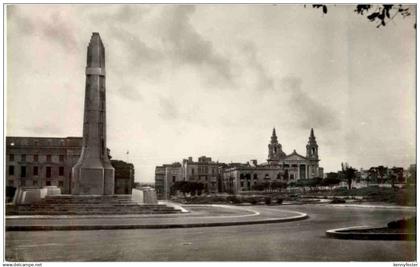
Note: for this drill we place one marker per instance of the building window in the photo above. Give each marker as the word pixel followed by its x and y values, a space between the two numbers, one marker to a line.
pixel 11 170
pixel 23 157
pixel 173 179
pixel 35 171
pixel 242 184
pixel 61 158
pixel 61 184
pixel 48 174
pixel 49 158
pixel 36 158
pixel 61 171
pixel 192 171
pixel 48 183
pixel 34 182
pixel 292 177
pixel 255 176
pixel 22 171
pixel 10 183
pixel 22 182
pixel 11 157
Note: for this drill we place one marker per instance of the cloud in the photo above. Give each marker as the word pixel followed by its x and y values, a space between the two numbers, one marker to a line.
pixel 129 92
pixel 187 46
pixel 168 109
pixel 308 112
pixel 137 52
pixel 59 30
pixel 167 36
pixel 46 129
pixel 56 27
pixel 121 14
pixel 263 79
pixel 23 23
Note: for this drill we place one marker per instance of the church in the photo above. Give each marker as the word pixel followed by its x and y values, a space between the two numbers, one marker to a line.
pixel 279 167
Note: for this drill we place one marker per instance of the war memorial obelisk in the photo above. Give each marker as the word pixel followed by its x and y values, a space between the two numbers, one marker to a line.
pixel 93 174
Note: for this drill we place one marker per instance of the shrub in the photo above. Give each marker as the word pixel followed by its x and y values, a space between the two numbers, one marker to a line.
pixel 253 201
pixel 280 201
pixel 337 201
pixel 408 224
pixel 234 199
pixel 267 200
pixel 10 192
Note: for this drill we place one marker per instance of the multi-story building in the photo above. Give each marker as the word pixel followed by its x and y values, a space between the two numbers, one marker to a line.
pixel 203 171
pixel 238 177
pixel 41 161
pixel 279 167
pixel 165 176
pixel 45 161
pixel 124 176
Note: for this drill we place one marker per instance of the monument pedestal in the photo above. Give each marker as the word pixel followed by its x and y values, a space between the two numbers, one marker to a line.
pixel 144 195
pixel 33 195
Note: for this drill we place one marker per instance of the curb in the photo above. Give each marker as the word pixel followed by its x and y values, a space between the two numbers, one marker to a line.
pixel 148 226
pixel 367 206
pixel 344 233
pixel 174 205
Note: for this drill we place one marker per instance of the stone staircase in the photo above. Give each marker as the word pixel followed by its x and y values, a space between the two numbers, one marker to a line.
pixel 88 205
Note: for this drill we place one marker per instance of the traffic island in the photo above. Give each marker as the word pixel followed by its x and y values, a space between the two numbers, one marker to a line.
pixel 200 216
pixel 369 233
pixel 404 229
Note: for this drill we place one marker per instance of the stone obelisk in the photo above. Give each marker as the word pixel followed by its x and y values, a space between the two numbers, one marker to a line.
pixel 93 174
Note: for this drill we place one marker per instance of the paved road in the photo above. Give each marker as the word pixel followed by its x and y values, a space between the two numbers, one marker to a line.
pixel 290 241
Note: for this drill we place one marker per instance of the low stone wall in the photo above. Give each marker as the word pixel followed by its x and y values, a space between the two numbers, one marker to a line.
pixel 144 195
pixel 52 190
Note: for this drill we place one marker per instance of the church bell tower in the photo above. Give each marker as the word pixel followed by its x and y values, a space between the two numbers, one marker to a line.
pixel 275 152
pixel 312 147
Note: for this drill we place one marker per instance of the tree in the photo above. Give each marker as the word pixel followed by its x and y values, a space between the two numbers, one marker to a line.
pixel 392 178
pixel 258 187
pixel 380 14
pixel 373 175
pixel 187 187
pixel 331 180
pixel 199 187
pixel 381 173
pixel 278 185
pixel 349 173
pixel 314 182
pixel 412 178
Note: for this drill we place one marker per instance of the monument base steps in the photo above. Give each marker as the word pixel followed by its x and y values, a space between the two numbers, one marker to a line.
pixel 88 205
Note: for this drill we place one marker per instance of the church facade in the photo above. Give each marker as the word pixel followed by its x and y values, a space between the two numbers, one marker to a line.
pixel 279 167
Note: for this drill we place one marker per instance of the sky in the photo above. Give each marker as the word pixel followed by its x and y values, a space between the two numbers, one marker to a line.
pixel 194 80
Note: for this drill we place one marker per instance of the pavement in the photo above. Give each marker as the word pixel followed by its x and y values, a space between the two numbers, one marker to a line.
pixel 192 216
pixel 302 240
